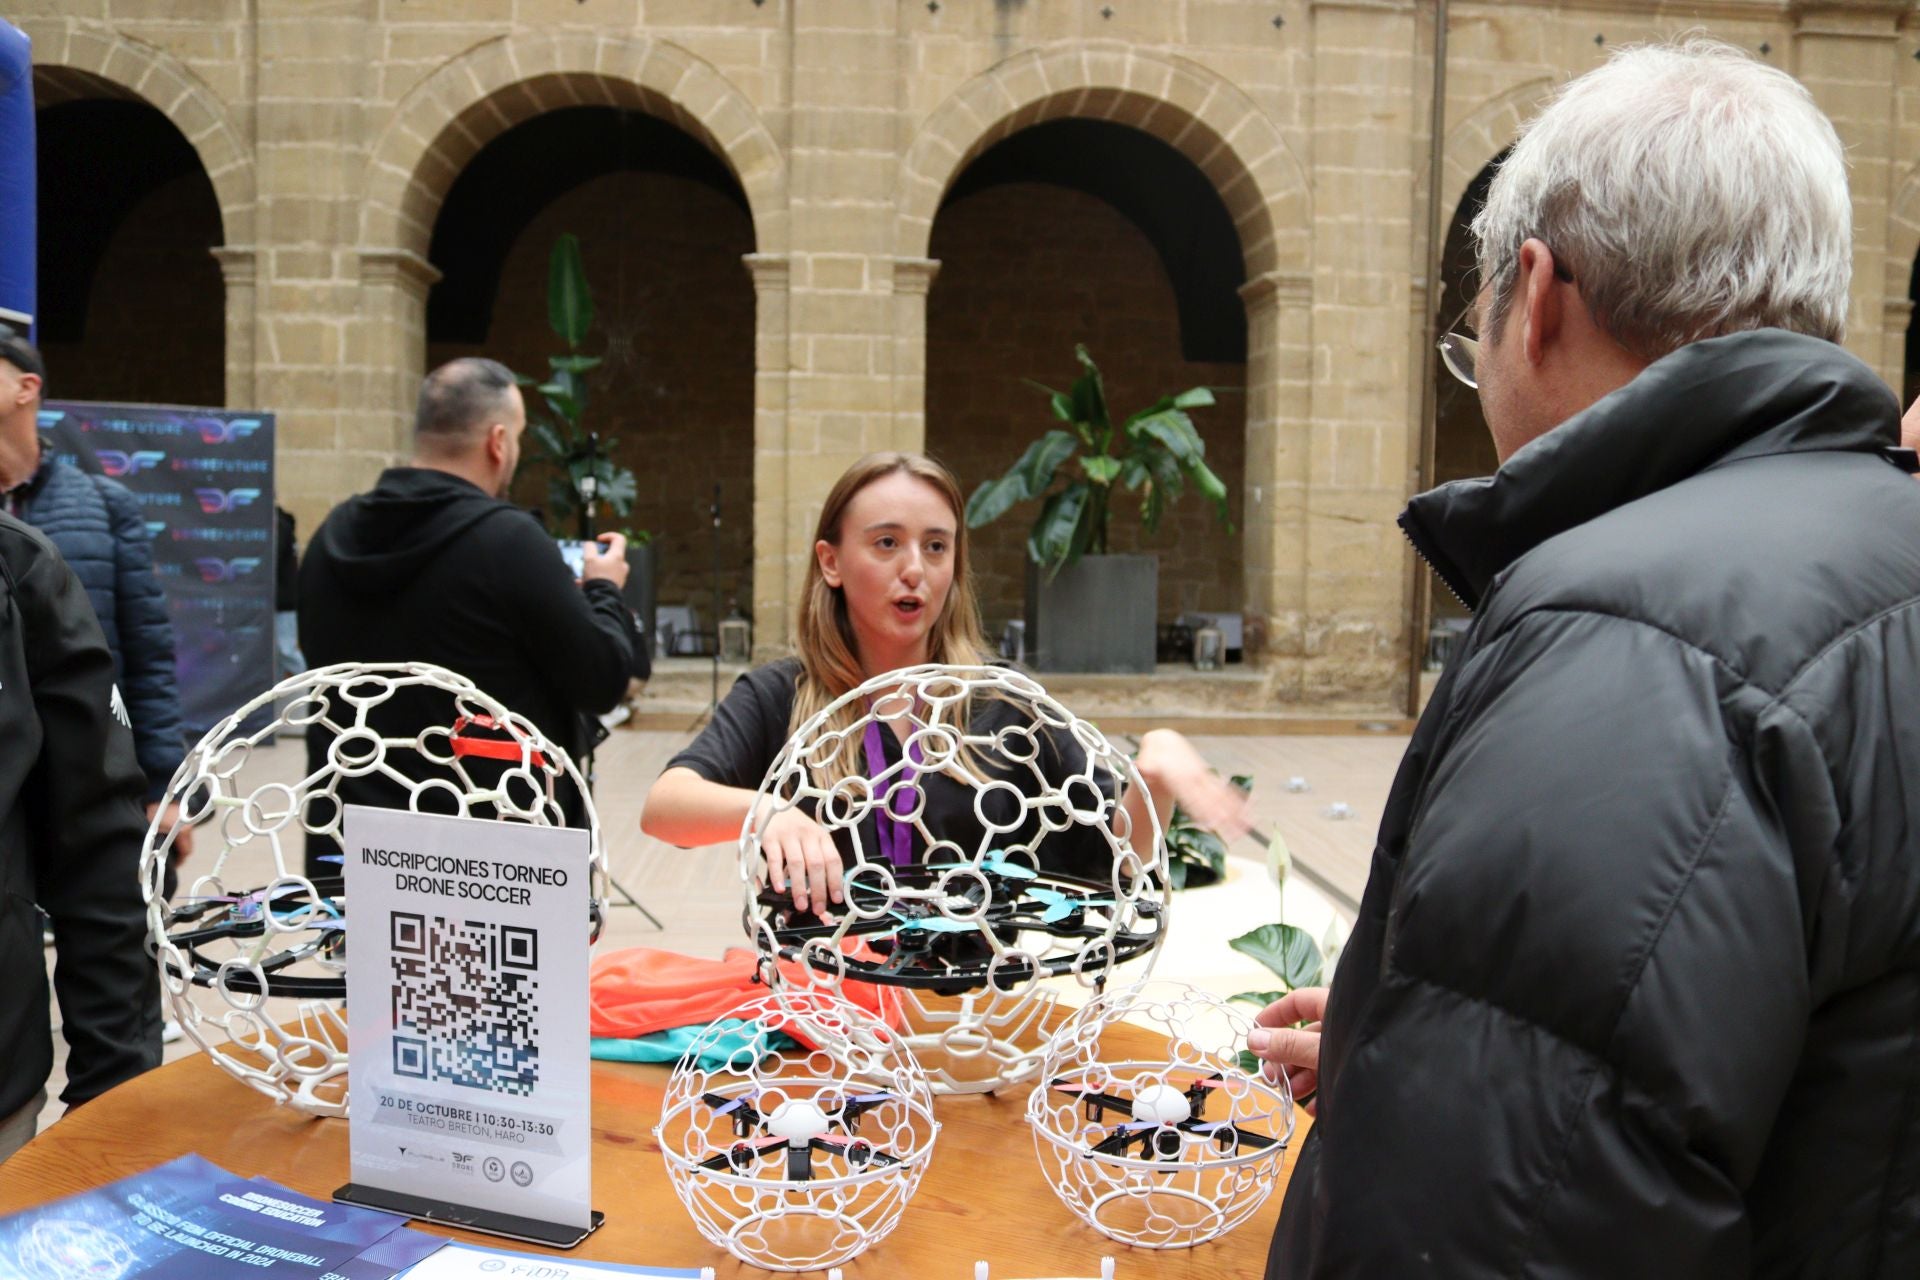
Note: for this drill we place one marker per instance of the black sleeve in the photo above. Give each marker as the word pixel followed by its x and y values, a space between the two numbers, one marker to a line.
pixel 746 733
pixel 86 823
pixel 581 634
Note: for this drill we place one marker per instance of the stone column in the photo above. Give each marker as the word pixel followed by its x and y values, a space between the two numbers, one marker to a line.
pixel 1367 118
pixel 389 344
pixel 239 268
pixel 775 582
pixel 912 278
pixel 1845 52
pixel 1279 428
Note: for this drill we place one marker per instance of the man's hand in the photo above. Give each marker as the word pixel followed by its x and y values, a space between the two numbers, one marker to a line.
pixel 605 560
pixel 183 839
pixel 1294 1050
pixel 799 850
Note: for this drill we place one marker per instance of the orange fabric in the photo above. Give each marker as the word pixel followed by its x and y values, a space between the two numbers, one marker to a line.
pixel 640 990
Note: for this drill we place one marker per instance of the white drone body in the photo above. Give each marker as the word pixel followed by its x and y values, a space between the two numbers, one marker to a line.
pixel 275 957
pixel 971 929
pixel 788 1156
pixel 1166 1152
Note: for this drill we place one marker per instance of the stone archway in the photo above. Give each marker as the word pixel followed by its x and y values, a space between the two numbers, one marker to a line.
pixel 1903 250
pixel 1264 190
pixel 72 55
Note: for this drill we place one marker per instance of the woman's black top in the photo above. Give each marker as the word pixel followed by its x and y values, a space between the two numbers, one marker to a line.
pixel 749 729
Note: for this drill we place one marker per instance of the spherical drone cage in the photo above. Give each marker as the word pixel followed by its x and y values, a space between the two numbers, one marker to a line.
pixel 1163 1151
pixel 794 1158
pixel 287 940
pixel 969 936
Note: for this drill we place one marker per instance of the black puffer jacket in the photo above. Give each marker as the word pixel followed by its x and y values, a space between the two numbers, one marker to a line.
pixel 1635 989
pixel 70 829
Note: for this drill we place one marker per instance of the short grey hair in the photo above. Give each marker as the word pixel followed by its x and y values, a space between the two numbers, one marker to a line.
pixel 1692 192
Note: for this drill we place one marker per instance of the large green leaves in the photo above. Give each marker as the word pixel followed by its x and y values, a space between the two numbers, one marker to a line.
pixel 569 303
pixel 1063 530
pixel 1286 949
pixel 1028 478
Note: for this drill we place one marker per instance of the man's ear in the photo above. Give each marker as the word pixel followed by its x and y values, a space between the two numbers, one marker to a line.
pixel 829 557
pixel 31 385
pixel 497 443
pixel 1538 301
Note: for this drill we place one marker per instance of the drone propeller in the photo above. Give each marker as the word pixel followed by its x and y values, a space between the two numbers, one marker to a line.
pixel 746 1119
pixel 1098 1103
pixel 739 1155
pixel 1061 905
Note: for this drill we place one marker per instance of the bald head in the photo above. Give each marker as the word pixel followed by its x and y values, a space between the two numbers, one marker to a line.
pixel 468 422
pixel 459 401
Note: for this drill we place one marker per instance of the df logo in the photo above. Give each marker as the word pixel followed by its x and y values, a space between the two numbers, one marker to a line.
pixel 214 569
pixel 214 502
pixel 225 430
pixel 117 463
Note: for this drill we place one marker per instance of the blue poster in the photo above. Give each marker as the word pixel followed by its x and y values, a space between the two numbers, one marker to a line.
pixel 189 1219
pixel 204 478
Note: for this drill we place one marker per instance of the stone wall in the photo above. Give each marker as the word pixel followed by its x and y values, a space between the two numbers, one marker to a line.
pixel 331 134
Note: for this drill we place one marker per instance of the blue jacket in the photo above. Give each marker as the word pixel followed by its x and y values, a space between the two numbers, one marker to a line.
pixel 97 526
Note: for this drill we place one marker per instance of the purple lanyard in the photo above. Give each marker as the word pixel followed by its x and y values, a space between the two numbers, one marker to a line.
pixel 896 837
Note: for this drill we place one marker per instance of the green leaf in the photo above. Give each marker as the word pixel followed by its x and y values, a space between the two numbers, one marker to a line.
pixel 569 302
pixel 1259 998
pixel 1100 468
pixel 1286 949
pixel 1249 1062
pixel 1177 874
pixel 1042 458
pixel 992 499
pixel 1244 781
pixel 1211 488
pixel 575 363
pixel 1052 541
pixel 548 440
pixel 619 488
pixel 1174 430
pixel 1090 402
pixel 1194 398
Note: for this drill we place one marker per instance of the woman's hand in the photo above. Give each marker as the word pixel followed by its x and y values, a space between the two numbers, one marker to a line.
pixel 1278 1038
pixel 799 852
pixel 1177 774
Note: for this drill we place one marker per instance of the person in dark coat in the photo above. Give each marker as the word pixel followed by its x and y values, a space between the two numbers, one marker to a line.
pixel 70 831
pixel 434 565
pixel 1635 984
pixel 98 527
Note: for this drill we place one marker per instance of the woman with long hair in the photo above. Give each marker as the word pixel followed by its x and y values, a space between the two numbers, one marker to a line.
pixel 888 586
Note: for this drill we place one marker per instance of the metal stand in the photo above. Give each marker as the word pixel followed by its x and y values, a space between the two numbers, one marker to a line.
pixel 589 490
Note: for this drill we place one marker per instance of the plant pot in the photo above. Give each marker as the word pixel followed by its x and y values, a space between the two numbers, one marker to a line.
pixel 1096 615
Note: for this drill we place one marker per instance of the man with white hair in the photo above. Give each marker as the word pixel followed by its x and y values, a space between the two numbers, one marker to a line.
pixel 1635 986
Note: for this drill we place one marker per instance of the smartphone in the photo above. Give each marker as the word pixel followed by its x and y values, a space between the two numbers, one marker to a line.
pixel 574 552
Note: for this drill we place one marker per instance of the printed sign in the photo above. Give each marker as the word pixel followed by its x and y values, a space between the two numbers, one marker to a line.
pixel 204 482
pixel 191 1220
pixel 467 1012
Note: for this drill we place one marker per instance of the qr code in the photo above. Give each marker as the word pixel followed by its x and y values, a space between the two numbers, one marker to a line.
pixel 465 996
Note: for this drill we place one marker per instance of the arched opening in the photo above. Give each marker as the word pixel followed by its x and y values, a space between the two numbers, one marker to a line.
pixel 1461 446
pixel 132 304
pixel 1085 231
pixel 663 224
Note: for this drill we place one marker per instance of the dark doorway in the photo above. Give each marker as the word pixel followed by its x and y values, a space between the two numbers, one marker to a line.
pixel 1085 231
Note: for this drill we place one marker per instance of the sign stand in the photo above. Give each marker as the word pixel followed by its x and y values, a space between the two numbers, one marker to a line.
pixel 468 1077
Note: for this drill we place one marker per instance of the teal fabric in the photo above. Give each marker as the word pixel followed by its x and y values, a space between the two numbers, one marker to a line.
pixel 720 1051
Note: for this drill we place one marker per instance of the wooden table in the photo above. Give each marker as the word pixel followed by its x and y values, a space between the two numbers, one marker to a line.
pixel 983 1197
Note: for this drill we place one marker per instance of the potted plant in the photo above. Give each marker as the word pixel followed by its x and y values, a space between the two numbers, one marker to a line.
pixel 1088 610
pixel 584 472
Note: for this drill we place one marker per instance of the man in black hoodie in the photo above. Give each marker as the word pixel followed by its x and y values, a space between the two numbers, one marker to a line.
pixel 434 565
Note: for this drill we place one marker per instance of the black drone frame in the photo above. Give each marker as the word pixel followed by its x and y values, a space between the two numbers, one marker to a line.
pixel 955 959
pixel 751 1139
pixel 198 923
pixel 1164 1141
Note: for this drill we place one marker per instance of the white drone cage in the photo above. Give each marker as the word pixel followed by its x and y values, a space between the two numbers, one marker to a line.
pixel 983 941
pixel 1165 1151
pixel 274 957
pixel 789 1156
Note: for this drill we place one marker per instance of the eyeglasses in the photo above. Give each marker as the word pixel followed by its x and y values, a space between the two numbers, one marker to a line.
pixel 1461 353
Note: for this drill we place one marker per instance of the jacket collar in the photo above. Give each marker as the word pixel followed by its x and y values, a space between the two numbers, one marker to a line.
pixel 1720 400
